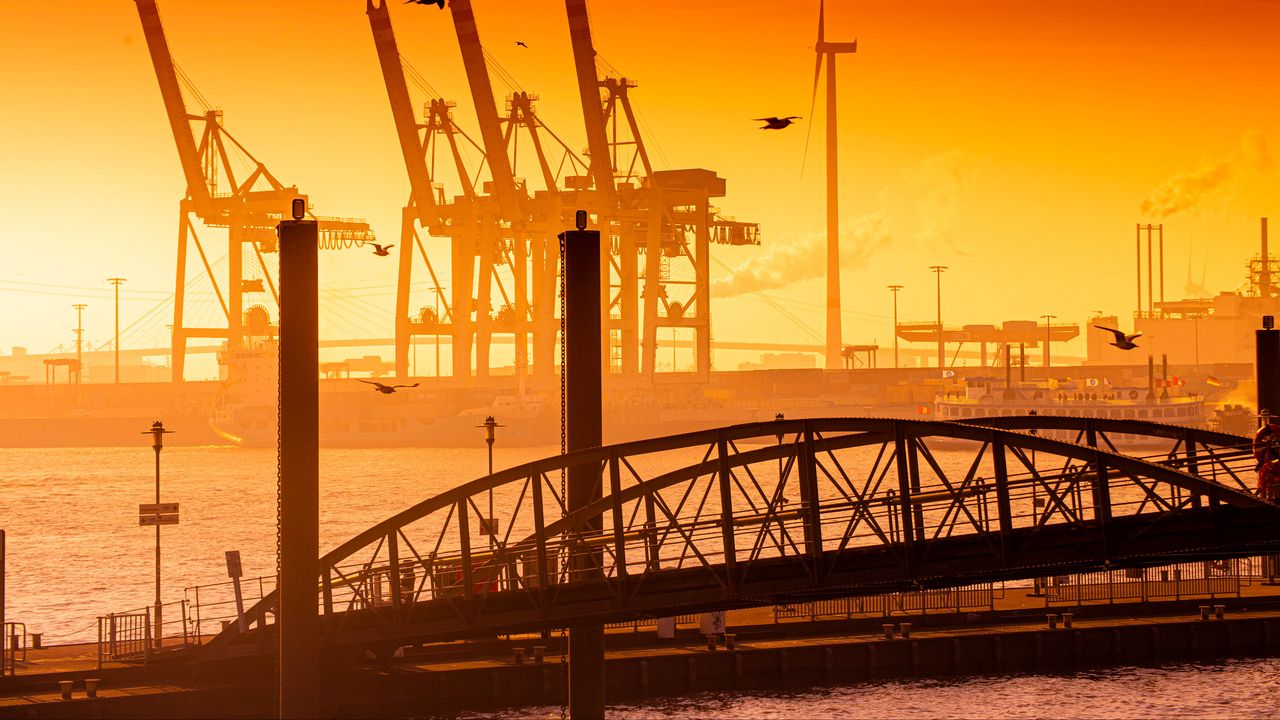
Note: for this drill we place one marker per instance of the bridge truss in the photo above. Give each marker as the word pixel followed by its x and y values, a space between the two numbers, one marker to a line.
pixel 790 510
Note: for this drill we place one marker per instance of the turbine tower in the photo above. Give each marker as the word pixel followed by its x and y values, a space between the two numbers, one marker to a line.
pixel 829 51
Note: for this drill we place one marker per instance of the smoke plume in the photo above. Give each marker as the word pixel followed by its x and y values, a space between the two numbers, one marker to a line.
pixel 1186 189
pixel 920 211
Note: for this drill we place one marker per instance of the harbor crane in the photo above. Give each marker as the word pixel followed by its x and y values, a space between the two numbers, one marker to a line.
pixel 248 207
pixel 502 232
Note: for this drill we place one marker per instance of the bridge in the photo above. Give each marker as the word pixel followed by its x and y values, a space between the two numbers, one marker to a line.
pixel 783 511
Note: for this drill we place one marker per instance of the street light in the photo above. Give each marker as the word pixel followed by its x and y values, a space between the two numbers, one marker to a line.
pixel 157 433
pixel 1048 336
pixel 894 289
pixel 116 281
pixel 489 426
pixel 942 349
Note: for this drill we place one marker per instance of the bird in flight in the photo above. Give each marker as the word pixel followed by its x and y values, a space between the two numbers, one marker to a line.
pixel 381 250
pixel 437 3
pixel 1124 342
pixel 774 123
pixel 386 389
pixel 521 44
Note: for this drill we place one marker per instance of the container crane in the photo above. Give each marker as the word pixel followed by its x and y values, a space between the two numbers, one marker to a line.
pixel 661 216
pixel 249 207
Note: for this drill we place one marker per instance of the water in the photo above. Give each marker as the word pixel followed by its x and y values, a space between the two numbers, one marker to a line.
pixel 75 550
pixel 1228 689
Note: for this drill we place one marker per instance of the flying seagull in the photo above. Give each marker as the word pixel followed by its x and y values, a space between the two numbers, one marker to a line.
pixel 773 123
pixel 1124 342
pixel 526 47
pixel 386 389
pixel 381 250
pixel 437 3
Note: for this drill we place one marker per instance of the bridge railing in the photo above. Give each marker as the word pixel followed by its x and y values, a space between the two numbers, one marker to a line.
pixel 749 513
pixel 1211 578
pixel 959 599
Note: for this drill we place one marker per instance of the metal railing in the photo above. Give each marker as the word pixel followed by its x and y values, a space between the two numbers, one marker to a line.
pixel 124 637
pixel 212 607
pixel 13 647
pixel 134 634
pixel 960 599
pixel 1183 580
pixel 652 622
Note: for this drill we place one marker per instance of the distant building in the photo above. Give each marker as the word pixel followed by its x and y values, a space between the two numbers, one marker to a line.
pixel 782 361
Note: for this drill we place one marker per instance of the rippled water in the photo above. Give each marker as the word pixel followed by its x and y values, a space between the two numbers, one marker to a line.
pixel 75 550
pixel 1230 689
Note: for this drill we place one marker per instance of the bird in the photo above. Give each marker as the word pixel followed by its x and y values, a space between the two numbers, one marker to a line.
pixel 386 389
pixel 774 123
pixel 437 3
pixel 381 250
pixel 521 44
pixel 1124 342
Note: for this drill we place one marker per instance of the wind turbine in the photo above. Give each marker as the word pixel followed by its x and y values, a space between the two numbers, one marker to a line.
pixel 829 51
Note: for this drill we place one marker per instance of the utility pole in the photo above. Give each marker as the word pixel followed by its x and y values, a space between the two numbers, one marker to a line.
pixel 79 308
pixel 116 281
pixel 894 289
pixel 1048 335
pixel 942 348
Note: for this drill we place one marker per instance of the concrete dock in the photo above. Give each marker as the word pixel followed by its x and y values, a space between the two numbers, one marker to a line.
pixel 1015 636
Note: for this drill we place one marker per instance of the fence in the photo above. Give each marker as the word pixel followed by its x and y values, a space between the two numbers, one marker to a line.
pixel 13 647
pixel 970 597
pixel 124 636
pixel 135 634
pixel 1183 580
pixel 649 622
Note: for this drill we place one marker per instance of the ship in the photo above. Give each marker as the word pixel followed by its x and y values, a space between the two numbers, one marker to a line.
pixel 984 397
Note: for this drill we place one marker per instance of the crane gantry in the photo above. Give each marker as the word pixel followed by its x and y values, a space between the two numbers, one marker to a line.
pixel 659 224
pixel 248 207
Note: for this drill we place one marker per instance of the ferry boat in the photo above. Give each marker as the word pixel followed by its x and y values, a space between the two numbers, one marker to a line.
pixel 1091 398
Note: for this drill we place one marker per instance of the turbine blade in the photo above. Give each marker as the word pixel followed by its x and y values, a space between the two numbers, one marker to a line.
pixel 813 99
pixel 822 14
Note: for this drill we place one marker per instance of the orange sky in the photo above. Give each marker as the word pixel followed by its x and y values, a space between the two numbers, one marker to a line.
pixel 1014 142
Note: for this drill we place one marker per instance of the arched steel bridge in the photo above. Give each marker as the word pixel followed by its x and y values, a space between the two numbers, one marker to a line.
pixel 773 512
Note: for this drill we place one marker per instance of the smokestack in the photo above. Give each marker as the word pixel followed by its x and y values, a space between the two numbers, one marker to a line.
pixel 1264 279
pixel 1151 377
pixel 1160 230
pixel 1138 266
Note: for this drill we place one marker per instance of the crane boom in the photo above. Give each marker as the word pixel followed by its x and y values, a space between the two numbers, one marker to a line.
pixel 384 38
pixel 175 108
pixel 495 149
pixel 584 62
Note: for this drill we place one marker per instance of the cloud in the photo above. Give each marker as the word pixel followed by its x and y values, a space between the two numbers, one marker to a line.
pixel 1186 189
pixel 922 209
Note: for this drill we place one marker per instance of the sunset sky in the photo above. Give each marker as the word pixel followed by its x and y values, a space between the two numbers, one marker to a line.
pixel 1016 142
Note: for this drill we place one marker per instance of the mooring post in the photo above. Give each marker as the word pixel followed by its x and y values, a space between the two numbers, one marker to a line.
pixel 583 430
pixel 1268 368
pixel 297 620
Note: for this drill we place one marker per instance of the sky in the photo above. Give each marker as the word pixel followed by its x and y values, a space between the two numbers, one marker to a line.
pixel 1016 143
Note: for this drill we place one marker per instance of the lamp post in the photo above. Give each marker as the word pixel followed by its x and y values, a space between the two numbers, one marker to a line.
pixel 942 350
pixel 157 433
pixel 116 281
pixel 489 426
pixel 894 289
pixel 1048 335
